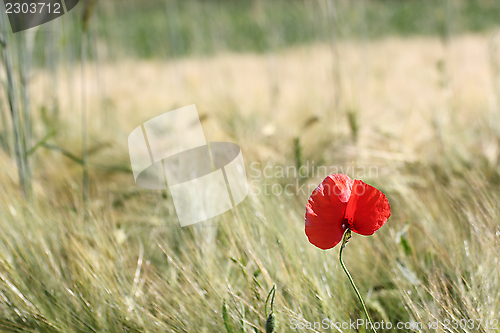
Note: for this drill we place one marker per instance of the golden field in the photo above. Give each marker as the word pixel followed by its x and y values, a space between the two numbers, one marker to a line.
pixel 422 111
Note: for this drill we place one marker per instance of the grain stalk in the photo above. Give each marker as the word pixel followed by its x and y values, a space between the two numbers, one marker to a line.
pixel 337 81
pixel 494 54
pixel 6 143
pixel 25 48
pixel 19 147
pixel 52 57
pixel 87 14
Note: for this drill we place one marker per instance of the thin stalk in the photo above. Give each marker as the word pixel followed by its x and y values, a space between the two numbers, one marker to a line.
pixel 347 236
pixel 84 121
pixel 52 59
pixel 337 80
pixel 87 13
pixel 16 121
pixel 5 126
pixel 495 69
pixel 26 41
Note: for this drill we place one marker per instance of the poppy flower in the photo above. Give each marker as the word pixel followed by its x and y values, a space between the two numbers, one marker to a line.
pixel 338 204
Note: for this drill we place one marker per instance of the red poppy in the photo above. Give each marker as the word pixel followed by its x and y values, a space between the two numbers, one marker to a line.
pixel 339 203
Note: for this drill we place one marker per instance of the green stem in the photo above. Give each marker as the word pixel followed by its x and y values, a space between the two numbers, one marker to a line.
pixel 345 239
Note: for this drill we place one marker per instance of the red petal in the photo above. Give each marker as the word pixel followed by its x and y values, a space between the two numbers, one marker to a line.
pixel 368 209
pixel 325 211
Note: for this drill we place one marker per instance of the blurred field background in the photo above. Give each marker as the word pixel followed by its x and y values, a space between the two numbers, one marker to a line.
pixel 408 88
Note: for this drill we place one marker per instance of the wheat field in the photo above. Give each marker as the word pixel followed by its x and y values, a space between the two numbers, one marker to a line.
pixel 416 116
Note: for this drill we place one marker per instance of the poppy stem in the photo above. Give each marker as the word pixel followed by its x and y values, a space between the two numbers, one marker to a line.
pixel 345 239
